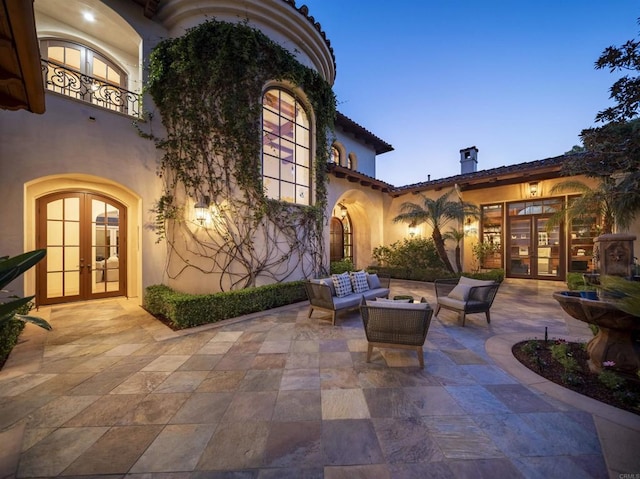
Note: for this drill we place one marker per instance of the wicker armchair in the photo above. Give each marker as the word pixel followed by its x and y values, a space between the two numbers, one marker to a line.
pixel 396 325
pixel 466 296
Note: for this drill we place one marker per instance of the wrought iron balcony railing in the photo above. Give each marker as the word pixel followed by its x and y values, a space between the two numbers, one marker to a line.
pixel 74 84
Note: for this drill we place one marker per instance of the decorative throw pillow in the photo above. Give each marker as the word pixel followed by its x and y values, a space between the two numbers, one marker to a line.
pixel 479 294
pixel 374 281
pixel 342 283
pixel 359 281
pixel 460 292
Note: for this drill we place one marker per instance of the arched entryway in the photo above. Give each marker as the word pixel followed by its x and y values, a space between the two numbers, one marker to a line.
pixel 85 235
pixel 341 241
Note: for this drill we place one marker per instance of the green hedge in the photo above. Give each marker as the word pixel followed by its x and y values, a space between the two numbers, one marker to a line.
pixel 188 310
pixel 431 274
pixel 9 332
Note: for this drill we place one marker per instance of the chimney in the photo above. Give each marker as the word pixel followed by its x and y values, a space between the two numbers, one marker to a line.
pixel 468 160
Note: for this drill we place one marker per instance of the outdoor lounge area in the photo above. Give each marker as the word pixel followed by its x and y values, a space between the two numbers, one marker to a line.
pixel 112 392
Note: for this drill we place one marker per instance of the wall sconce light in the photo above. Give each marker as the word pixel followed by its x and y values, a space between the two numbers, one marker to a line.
pixel 202 210
pixel 413 229
pixel 343 211
pixel 533 189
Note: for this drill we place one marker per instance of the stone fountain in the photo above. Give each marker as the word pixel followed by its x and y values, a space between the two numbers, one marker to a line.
pixel 613 255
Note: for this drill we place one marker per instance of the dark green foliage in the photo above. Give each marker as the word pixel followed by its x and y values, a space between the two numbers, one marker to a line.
pixel 188 310
pixel 9 332
pixel 575 281
pixel 339 267
pixel 208 87
pixel 416 274
pixel 493 274
pixel 415 253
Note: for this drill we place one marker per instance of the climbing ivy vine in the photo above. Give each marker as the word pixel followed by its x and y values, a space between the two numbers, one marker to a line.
pixel 208 87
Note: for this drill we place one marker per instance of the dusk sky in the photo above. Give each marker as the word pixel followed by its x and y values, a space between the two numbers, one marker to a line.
pixel 514 78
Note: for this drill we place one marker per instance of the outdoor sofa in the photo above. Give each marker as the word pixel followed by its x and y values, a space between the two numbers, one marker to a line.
pixel 465 296
pixel 345 291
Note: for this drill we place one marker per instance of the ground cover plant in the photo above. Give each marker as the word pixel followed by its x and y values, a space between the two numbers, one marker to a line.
pixel 565 363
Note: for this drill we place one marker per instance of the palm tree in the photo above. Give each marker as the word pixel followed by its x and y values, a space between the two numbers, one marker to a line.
pixel 598 201
pixel 457 236
pixel 437 213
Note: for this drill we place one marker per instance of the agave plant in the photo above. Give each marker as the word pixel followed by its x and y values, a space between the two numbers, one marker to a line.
pixel 10 269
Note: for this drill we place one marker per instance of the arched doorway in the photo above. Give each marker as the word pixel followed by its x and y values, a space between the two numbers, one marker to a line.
pixel 85 235
pixel 341 238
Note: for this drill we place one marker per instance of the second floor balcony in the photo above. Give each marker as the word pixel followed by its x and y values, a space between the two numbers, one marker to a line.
pixel 65 81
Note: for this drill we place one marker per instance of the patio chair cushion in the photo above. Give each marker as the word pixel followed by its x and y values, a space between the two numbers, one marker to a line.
pixel 480 294
pixel 374 281
pixel 342 283
pixel 460 292
pixel 359 281
pixel 397 305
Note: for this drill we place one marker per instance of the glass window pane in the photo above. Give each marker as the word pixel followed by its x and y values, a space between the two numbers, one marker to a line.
pixel 113 76
pixel 287 171
pixel 56 54
pixel 54 232
pixel 99 68
pixel 54 285
pixel 98 211
pixel 271 122
pixel 71 258
pixel 72 57
pixel 287 192
pixel 286 128
pixel 54 210
pixel 72 209
pixel 71 284
pixel 271 188
pixel 302 195
pixel 302 136
pixel 271 167
pixel 287 105
pixel 270 101
pixel 54 258
pixel 302 156
pixel 302 176
pixel 270 144
pixel 71 233
pixel 286 150
pixel 302 118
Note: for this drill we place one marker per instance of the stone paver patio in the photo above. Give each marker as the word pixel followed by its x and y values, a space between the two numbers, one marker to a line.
pixel 111 392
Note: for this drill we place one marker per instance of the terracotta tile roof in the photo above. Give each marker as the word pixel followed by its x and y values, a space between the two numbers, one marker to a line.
pixel 361 133
pixel 503 175
pixel 357 177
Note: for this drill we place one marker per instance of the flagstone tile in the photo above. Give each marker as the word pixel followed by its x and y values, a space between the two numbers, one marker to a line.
pixel 59 411
pixel 115 451
pixel 300 405
pixel 344 404
pixel 124 349
pixel 53 454
pixel 230 362
pixel 154 409
pixel 490 469
pixel 300 379
pixel 432 401
pixel 100 383
pixel 203 408
pixel 226 336
pixel 519 398
pixel 166 363
pixel 388 402
pixel 235 445
pixel 18 385
pixel 220 381
pixel 338 378
pixel 251 406
pixel 275 347
pixel 200 362
pixel 477 400
pixel 177 448
pixel 351 442
pixel 261 380
pixel 142 382
pixel 293 443
pixel 303 361
pixel 459 437
pixel 106 411
pixel 182 382
pixel 406 440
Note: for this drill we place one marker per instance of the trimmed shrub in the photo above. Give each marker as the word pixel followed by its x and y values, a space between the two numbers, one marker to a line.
pixel 339 267
pixel 188 310
pixel 431 274
pixel 9 332
pixel 415 253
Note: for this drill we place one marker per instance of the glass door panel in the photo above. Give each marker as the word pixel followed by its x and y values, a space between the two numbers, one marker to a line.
pixel 547 250
pixel 520 247
pixel 84 235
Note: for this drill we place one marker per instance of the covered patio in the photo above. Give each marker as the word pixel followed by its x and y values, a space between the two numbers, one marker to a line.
pixel 112 392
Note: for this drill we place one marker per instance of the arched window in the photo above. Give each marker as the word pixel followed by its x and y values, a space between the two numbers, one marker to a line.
pixel 335 155
pixel 79 72
pixel 286 148
pixel 352 161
